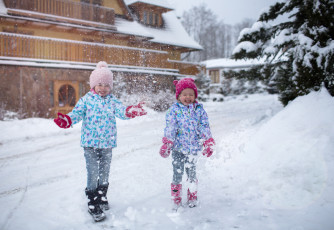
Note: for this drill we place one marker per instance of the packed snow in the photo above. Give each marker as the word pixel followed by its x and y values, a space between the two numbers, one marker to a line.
pixel 273 168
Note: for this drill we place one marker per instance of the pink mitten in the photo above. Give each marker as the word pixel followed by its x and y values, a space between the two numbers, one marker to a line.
pixel 166 147
pixel 135 110
pixel 63 121
pixel 208 147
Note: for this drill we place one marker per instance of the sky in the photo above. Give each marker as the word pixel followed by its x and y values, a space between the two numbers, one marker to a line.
pixel 230 11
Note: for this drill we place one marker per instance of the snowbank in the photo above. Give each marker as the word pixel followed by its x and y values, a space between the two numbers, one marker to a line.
pixel 286 162
pixel 290 151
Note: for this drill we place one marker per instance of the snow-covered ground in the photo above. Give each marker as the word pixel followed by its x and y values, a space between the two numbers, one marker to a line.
pixel 273 169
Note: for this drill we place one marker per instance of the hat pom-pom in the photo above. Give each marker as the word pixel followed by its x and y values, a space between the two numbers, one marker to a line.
pixel 101 64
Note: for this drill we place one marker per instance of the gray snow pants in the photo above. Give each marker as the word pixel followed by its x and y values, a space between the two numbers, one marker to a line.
pixel 98 166
pixel 181 162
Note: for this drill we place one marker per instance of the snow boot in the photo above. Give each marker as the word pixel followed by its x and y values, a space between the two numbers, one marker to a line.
pixel 176 192
pixel 94 206
pixel 192 195
pixel 102 191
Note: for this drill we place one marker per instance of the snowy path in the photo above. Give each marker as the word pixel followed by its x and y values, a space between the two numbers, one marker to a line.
pixel 42 176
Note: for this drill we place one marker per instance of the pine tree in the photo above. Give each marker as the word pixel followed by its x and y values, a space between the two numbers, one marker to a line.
pixel 296 40
pixel 203 84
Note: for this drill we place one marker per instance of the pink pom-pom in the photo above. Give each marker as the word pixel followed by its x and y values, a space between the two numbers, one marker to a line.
pixel 101 64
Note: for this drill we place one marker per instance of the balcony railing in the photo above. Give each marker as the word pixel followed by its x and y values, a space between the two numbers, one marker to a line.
pixel 187 68
pixel 65 8
pixel 25 46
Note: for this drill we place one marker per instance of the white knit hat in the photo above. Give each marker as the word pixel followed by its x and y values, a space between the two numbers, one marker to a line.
pixel 101 75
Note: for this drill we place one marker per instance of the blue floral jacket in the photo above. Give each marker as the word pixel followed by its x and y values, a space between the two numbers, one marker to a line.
pixel 98 119
pixel 187 127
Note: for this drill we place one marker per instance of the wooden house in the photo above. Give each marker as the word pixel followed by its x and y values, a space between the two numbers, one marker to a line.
pixel 216 68
pixel 218 71
pixel 48 49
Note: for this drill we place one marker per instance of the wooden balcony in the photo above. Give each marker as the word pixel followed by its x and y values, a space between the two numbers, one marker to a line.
pixel 61 10
pixel 25 46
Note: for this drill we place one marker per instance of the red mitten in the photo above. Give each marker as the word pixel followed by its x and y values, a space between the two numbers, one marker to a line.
pixel 63 121
pixel 208 147
pixel 166 147
pixel 135 110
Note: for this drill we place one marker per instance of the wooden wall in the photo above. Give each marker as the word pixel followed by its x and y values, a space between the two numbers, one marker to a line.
pixel 31 90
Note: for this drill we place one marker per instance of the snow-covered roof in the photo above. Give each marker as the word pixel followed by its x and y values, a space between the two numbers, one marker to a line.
pixel 131 27
pixel 173 33
pixel 231 63
pixel 162 3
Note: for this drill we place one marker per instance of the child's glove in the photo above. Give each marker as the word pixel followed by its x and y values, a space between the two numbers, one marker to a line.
pixel 63 121
pixel 135 110
pixel 166 147
pixel 208 147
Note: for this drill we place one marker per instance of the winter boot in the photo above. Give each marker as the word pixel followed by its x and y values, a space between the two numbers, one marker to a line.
pixel 192 195
pixel 93 205
pixel 102 191
pixel 176 191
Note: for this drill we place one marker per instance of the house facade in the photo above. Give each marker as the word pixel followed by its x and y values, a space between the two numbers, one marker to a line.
pixel 48 49
pixel 217 70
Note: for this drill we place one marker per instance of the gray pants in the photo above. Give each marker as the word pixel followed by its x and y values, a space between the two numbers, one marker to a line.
pixel 98 166
pixel 181 162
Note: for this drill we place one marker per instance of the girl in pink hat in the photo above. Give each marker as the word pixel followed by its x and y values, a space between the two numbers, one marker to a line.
pixel 186 134
pixel 98 110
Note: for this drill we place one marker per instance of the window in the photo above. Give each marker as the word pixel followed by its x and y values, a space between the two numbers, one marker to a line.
pixel 145 18
pixel 151 18
pixel 66 96
pixel 214 75
pixel 94 2
pixel 156 19
pixel 97 2
pixel 91 13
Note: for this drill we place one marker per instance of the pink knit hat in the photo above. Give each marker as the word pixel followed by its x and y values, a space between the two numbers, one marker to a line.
pixel 101 75
pixel 183 84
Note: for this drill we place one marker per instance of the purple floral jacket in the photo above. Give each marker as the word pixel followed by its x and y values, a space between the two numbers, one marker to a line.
pixel 187 127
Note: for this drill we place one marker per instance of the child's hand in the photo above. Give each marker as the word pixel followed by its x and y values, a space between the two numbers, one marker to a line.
pixel 135 110
pixel 63 121
pixel 208 147
pixel 166 147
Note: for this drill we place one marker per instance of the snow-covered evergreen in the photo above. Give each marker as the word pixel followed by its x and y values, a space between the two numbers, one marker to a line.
pixel 203 84
pixel 297 39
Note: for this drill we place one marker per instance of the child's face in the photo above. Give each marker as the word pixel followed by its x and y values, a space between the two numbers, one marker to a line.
pixel 187 96
pixel 102 89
